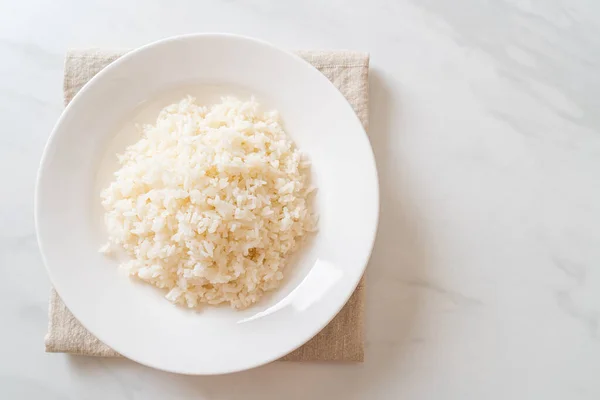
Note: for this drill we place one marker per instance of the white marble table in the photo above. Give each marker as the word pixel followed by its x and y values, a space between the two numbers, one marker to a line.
pixel 485 277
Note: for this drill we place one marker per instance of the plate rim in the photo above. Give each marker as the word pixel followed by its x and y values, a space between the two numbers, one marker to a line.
pixel 115 64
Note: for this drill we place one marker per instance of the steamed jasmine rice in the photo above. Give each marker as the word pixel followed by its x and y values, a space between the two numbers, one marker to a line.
pixel 210 203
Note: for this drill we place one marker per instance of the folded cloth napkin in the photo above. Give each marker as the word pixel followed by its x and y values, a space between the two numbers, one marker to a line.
pixel 342 339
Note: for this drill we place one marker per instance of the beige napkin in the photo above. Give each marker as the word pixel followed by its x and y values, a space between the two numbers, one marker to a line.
pixel 342 339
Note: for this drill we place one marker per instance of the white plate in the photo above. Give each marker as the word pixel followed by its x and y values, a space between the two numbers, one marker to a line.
pixel 134 318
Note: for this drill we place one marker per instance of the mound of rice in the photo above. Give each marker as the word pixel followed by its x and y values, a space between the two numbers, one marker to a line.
pixel 209 203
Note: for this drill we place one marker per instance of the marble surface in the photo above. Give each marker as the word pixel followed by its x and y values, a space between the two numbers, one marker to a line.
pixel 485 277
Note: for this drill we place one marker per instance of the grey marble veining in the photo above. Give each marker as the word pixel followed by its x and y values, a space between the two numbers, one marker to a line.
pixel 485 277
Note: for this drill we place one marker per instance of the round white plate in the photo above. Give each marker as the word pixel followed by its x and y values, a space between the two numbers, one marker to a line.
pixel 134 318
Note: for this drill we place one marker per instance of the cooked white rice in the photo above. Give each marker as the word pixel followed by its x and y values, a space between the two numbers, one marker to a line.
pixel 209 203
